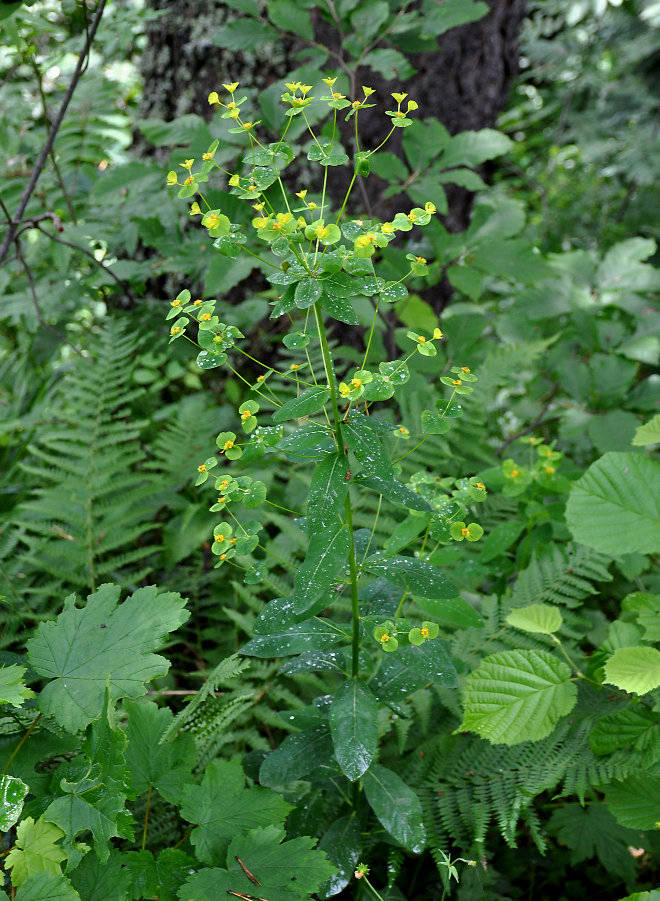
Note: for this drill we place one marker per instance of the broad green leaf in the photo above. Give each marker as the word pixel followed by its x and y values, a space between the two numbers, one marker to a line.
pixel 35 851
pixel 431 660
pixel 298 755
pixel 311 400
pixel 342 843
pixel 354 726
pixel 327 493
pixel 499 539
pixel 311 635
pixel 636 727
pixel 396 492
pixel 452 610
pixel 284 871
pixel 246 33
pixel 94 795
pixel 222 807
pixel 649 433
pixel 634 669
pixel 647 608
pixel 152 763
pixel 12 794
pixel 615 506
pixel 102 644
pixel 157 877
pixel 451 13
pixel 340 308
pixel 634 802
pixel 308 291
pixel 471 148
pixel 12 688
pixel 109 881
pixel 517 696
pixel 418 576
pixel 594 832
pixel 327 552
pixel 397 807
pixel 287 15
pixel 536 618
pixel 46 887
pixel 394 682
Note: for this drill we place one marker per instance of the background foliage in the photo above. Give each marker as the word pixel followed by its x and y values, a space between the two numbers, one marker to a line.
pixel 553 289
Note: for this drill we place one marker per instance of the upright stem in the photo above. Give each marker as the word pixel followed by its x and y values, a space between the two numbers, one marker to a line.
pixel 348 512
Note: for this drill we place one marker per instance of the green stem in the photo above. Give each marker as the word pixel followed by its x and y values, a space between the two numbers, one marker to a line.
pixel 352 563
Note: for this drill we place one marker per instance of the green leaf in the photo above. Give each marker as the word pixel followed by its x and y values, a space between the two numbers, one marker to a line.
pixel 248 34
pixel 634 802
pixel 222 807
pixel 311 635
pixel 299 754
pixel 517 696
pixel 157 877
pixel 431 660
pixel 109 881
pixel 308 291
pixel 634 669
pixel 166 766
pixel 12 794
pixel 288 16
pixel 471 148
pixel 311 400
pixel 649 433
pixel 593 832
pixel 633 727
pixel 354 727
pixel 615 506
pixel 418 576
pixel 396 806
pixel 340 308
pixel 536 618
pixel 451 13
pixel 327 493
pixel 396 492
pixel 12 688
pixel 499 539
pixel 45 887
pixel 454 610
pixel 94 796
pixel 35 851
pixel 390 63
pixel 365 443
pixel 327 552
pixel 271 862
pixel 343 845
pixel 102 644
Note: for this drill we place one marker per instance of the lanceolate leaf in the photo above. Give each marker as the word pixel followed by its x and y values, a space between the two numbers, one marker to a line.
pixel 431 660
pixel 517 696
pixel 310 635
pixel 311 400
pixel 354 727
pixel 342 844
pixel 298 755
pixel 363 440
pixel 396 492
pixel 102 644
pixel 397 807
pixel 327 552
pixel 12 793
pixel 615 506
pixel 417 576
pixel 327 492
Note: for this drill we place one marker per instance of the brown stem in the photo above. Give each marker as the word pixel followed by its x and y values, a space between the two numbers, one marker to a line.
pixel 50 140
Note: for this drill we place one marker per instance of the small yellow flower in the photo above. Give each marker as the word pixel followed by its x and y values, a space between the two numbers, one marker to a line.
pixel 222 499
pixel 387 228
pixel 403 430
pixel 515 473
pixel 337 96
pixel 312 205
pixel 305 88
pixel 420 259
pixel 465 532
pixel 187 165
pixel 260 378
pixel 457 382
pixel 412 105
pixel 253 187
pixel 356 104
pixel 223 556
pixel 234 113
pixel 175 330
pixel 202 468
pixel 430 207
pixel 421 339
pixel 295 367
pixel 246 125
pixel 223 484
pixel 480 486
pixel 258 207
pixel 212 221
pixel 172 178
pixel 399 114
pixel 549 470
pixel 205 317
pixel 195 209
pixel 302 194
pixel 213 98
pixel 368 91
pixel 189 180
pixel 412 216
pixel 245 415
pixel 198 302
pixel 465 368
pixel 424 631
pixel 228 445
pixel 344 390
pixel 437 334
pixel 176 302
pixel 230 87
pixel 356 382
pixel 234 181
pixel 399 97
pixel 292 86
pixel 207 156
pixel 329 81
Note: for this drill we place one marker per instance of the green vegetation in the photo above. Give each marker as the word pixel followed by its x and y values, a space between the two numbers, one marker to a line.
pixel 358 595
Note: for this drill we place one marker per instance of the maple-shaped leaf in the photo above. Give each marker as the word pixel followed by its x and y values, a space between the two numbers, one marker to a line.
pixel 35 851
pixel 96 881
pixel 12 688
pixel 261 866
pixel 157 877
pixel 93 794
pixel 166 767
pixel 102 644
pixel 223 807
pixel 46 887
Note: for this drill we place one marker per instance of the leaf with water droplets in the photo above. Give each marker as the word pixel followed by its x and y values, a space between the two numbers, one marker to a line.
pixel 327 492
pixel 354 727
pixel 298 755
pixel 311 400
pixel 418 576
pixel 343 845
pixel 396 492
pixel 431 660
pixel 363 440
pixel 312 634
pixel 397 807
pixel 326 553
